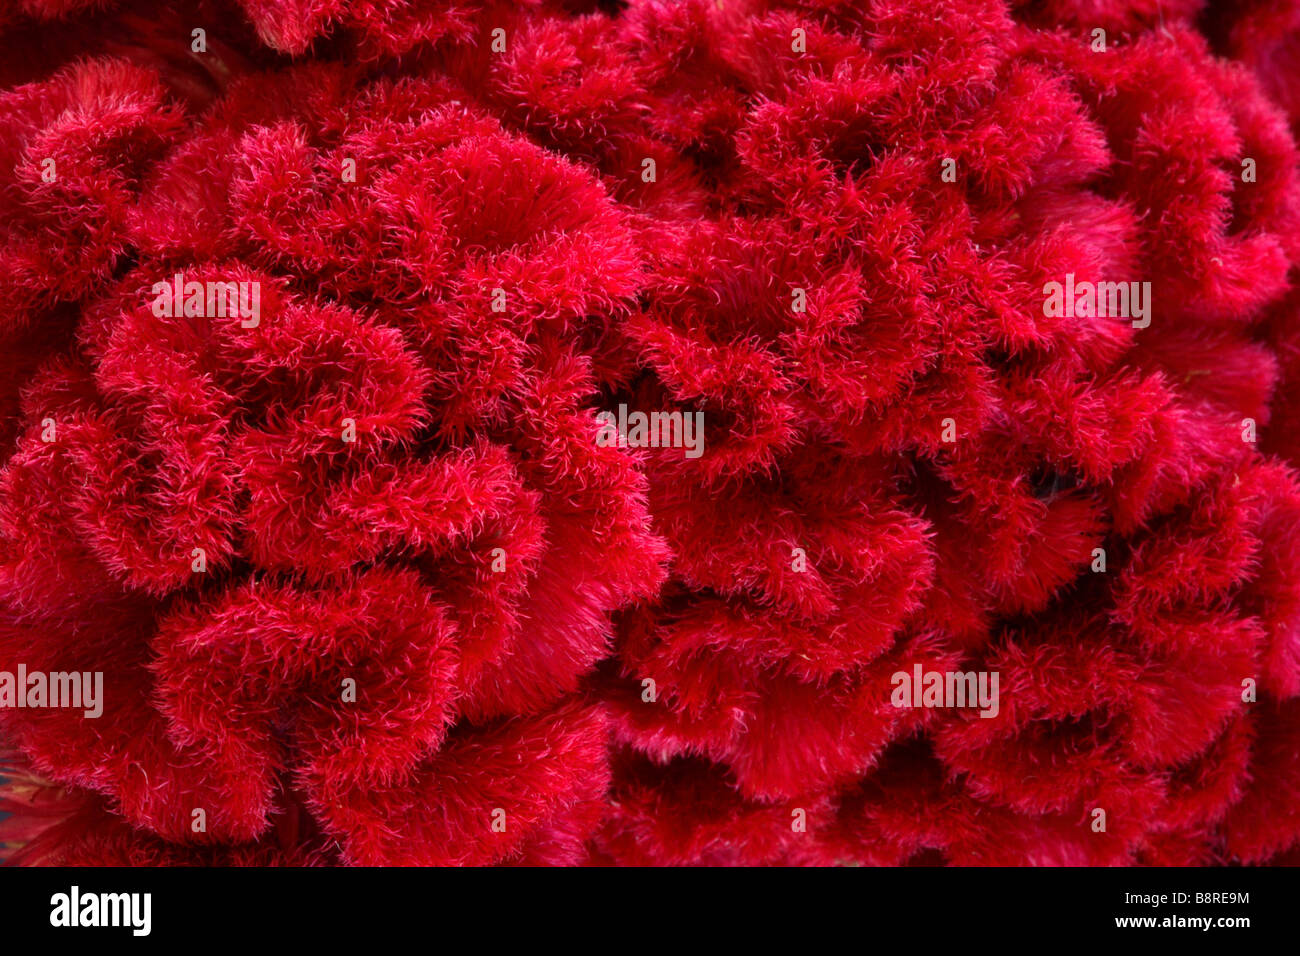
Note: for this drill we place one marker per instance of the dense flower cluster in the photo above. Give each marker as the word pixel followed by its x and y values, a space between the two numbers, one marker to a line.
pixel 365 589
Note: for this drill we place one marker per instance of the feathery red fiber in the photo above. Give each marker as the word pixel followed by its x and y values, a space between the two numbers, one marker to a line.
pixel 568 652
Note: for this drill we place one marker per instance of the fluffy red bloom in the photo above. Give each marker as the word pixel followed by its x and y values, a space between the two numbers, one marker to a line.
pixel 366 587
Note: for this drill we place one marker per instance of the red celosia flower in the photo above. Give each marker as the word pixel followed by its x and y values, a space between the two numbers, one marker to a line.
pixel 364 586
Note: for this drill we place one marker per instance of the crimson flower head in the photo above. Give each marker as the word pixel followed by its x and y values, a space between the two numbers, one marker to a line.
pixel 693 433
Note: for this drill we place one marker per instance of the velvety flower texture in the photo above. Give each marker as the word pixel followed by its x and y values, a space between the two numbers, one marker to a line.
pixel 364 587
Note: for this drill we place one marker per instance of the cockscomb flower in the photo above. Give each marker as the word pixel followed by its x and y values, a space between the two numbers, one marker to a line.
pixel 963 336
pixel 1075 451
pixel 242 505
